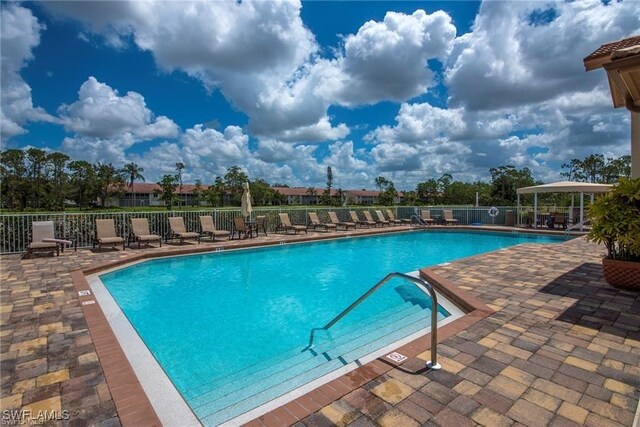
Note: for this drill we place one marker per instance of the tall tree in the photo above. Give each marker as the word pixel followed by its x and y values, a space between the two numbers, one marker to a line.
pixel 234 179
pixel 505 180
pixel 428 191
pixel 13 173
pixel 57 162
pixel 37 160
pixel 382 182
pixel 109 181
pixel 326 195
pixel 168 185
pixel 133 173
pixel 179 168
pixel 83 182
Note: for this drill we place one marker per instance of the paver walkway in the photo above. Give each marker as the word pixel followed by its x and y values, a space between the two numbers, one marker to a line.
pixel 561 348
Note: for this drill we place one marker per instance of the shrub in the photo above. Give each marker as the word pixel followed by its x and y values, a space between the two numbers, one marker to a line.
pixel 615 220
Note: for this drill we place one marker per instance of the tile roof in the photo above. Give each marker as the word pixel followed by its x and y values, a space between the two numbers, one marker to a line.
pixel 148 188
pixel 608 48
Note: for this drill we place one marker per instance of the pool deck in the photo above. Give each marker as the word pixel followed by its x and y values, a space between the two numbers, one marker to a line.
pixel 554 345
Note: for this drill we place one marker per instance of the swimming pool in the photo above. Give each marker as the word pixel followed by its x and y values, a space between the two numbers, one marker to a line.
pixel 229 329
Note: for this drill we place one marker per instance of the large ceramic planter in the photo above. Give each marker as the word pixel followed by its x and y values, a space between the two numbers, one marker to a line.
pixel 622 274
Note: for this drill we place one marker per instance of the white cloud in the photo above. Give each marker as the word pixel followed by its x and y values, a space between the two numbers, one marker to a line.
pixel 265 61
pixel 507 60
pixel 101 113
pixel 388 60
pixel 19 34
pixel 421 123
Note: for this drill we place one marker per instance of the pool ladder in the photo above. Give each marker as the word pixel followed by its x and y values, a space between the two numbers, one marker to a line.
pixel 423 285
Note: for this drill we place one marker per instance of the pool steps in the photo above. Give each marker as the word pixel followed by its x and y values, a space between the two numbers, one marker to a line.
pixel 235 395
pixel 322 341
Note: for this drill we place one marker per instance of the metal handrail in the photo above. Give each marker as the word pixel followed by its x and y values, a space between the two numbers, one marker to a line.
pixel 423 285
pixel 416 219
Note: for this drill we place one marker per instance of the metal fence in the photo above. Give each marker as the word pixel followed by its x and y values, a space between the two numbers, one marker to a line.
pixel 15 229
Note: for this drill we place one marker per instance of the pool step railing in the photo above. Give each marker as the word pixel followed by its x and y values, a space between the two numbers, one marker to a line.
pixel 422 285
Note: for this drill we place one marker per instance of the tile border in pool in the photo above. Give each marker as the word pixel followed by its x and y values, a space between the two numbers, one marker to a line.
pixel 115 362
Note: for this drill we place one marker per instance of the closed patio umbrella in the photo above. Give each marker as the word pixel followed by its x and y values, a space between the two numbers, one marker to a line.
pixel 245 206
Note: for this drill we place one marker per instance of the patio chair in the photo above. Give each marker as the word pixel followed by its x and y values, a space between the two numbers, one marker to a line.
pixel 381 219
pixel 43 238
pixel 286 225
pixel 393 219
pixel 261 224
pixel 315 223
pixel 358 221
pixel 447 217
pixel 106 234
pixel 179 230
pixel 209 228
pixel 369 218
pixel 240 227
pixel 559 219
pixel 346 224
pixel 425 216
pixel 141 232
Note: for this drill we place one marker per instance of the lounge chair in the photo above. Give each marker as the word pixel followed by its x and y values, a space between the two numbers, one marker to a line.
pixel 141 232
pixel 381 219
pixel 425 216
pixel 358 221
pixel 106 234
pixel 286 225
pixel 179 231
pixel 209 228
pixel 315 223
pixel 447 217
pixel 346 224
pixel 393 219
pixel 369 218
pixel 261 224
pixel 41 231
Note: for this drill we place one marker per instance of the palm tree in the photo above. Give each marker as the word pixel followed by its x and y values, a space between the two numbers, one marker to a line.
pixel 132 172
pixel 179 168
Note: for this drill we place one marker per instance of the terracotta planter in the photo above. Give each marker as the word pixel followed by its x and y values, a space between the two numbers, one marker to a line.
pixel 622 274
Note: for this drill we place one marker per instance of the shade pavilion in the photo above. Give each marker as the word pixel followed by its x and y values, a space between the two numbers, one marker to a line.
pixel 562 187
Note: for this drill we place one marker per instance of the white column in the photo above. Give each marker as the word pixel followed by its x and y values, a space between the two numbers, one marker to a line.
pixel 518 210
pixel 635 144
pixel 581 210
pixel 535 210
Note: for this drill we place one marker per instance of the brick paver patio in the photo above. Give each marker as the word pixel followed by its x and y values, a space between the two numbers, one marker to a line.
pixel 561 348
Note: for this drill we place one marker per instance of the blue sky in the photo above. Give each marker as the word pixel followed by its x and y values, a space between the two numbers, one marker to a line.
pixel 407 90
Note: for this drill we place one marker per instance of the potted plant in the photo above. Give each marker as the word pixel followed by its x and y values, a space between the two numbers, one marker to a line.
pixel 615 222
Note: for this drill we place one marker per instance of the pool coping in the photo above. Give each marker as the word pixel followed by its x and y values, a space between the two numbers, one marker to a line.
pixel 131 401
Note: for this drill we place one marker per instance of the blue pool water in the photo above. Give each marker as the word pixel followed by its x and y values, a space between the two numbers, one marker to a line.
pixel 230 328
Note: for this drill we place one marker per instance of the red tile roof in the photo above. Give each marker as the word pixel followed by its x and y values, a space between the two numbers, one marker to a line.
pixel 608 48
pixel 149 188
pixel 301 191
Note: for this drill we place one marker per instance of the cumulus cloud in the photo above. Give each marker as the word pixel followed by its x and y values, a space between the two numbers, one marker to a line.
pixel 387 60
pixel 19 34
pixel 511 59
pixel 266 62
pixel 100 112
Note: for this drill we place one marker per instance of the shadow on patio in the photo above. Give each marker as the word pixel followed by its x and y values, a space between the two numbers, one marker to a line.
pixel 598 306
